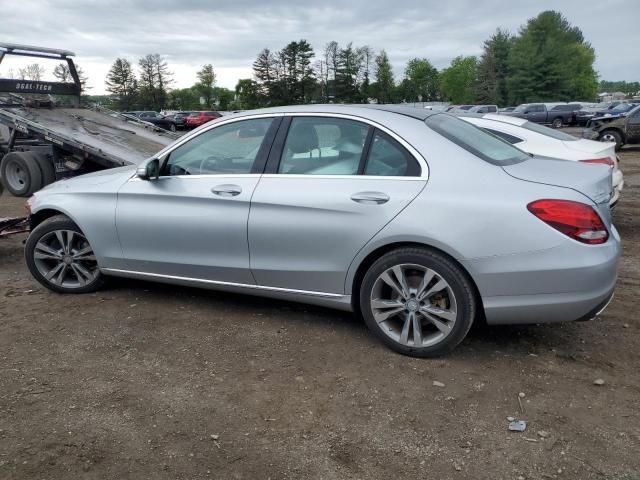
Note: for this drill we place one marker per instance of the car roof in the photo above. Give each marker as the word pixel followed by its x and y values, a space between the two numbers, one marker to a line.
pixel 365 110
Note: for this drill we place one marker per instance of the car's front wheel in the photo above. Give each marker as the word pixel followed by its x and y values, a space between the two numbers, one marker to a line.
pixel 418 302
pixel 60 257
pixel 611 136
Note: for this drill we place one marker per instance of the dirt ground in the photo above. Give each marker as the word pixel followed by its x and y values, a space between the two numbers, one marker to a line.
pixel 149 381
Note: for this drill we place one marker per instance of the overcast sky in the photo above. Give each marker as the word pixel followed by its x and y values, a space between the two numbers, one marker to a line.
pixel 230 33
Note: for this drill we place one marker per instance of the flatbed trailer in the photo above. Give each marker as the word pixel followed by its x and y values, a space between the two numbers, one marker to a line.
pixel 41 143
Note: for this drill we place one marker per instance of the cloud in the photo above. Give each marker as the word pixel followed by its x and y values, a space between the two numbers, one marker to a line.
pixel 229 34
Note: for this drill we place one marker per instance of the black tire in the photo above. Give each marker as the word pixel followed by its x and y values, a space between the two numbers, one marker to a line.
pixel 47 169
pixel 20 174
pixel 172 127
pixel 50 225
pixel 605 135
pixel 557 122
pixel 446 269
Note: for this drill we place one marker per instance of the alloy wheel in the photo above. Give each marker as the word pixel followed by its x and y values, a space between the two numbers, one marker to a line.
pixel 413 305
pixel 607 137
pixel 64 258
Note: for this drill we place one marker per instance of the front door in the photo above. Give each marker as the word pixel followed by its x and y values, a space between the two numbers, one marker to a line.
pixel 334 184
pixel 633 126
pixel 192 221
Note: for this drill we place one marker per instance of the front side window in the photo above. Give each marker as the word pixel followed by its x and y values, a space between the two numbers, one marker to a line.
pixel 227 149
pixel 388 158
pixel 476 141
pixel 323 146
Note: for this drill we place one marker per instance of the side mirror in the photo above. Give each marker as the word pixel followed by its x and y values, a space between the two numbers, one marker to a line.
pixel 149 169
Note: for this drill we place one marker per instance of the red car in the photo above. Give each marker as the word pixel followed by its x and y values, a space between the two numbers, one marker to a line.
pixel 200 118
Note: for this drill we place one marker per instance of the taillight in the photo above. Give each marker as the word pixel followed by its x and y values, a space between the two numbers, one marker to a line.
pixel 603 161
pixel 576 220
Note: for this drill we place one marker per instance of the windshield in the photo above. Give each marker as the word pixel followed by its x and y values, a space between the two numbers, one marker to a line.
pixel 194 114
pixel 548 132
pixel 473 139
pixel 521 108
pixel 623 107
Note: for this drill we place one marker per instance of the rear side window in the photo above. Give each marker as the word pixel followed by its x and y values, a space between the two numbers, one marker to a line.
pixel 549 132
pixel 505 136
pixel 476 141
pixel 323 146
pixel 388 158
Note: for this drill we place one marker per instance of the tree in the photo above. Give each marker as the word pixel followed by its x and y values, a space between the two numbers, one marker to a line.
pixel 458 80
pixel 33 71
pixel 421 81
pixel 155 79
pixel 264 70
pixel 348 69
pixel 550 60
pixel 206 82
pixel 384 86
pixel 247 94
pixel 63 74
pixel 121 82
pixel 368 56
pixel 493 69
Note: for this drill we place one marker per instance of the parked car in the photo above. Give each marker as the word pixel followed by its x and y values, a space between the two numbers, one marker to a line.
pixel 483 109
pixel 200 118
pixel 418 221
pixel 587 112
pixel 545 142
pixel 154 118
pixel 621 109
pixel 554 114
pixel 458 108
pixel 179 118
pixel 616 129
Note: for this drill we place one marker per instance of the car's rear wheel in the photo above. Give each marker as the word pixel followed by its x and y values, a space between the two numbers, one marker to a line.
pixel 172 127
pixel 611 136
pixel 60 257
pixel 557 122
pixel 418 302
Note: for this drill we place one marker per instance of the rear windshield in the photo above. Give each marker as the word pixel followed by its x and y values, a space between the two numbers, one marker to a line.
pixel 548 132
pixel 473 139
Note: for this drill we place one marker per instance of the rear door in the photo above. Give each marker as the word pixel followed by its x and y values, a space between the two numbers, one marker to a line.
pixel 192 221
pixel 537 113
pixel 332 182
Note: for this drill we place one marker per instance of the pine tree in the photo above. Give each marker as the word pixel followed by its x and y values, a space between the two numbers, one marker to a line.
pixel 551 61
pixel 121 81
pixel 493 69
pixel 206 82
pixel 384 78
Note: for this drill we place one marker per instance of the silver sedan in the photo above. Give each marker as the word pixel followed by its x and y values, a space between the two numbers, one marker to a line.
pixel 417 221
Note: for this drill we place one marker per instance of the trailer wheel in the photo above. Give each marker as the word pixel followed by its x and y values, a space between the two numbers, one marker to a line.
pixel 20 174
pixel 46 167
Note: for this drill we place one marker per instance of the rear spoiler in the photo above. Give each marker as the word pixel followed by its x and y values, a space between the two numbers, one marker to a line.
pixel 10 85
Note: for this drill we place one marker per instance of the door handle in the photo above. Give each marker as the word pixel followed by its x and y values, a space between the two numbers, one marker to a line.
pixel 226 190
pixel 370 198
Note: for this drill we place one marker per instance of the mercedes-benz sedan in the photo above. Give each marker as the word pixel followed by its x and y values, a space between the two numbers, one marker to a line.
pixel 418 221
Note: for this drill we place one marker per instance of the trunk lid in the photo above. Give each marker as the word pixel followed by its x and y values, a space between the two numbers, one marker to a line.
pixel 593 148
pixel 594 181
